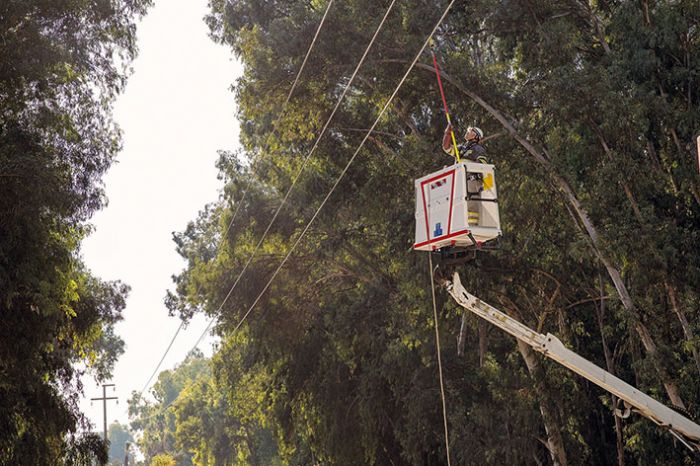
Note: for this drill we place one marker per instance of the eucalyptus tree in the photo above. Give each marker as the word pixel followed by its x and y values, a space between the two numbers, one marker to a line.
pixel 63 63
pixel 590 109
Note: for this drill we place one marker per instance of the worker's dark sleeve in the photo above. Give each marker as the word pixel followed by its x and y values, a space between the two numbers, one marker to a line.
pixel 476 153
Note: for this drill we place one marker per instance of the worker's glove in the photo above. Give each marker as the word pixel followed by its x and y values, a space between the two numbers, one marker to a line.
pixel 448 129
pixel 447 139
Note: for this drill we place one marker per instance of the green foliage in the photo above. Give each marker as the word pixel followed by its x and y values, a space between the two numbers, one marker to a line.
pixel 119 436
pixel 63 62
pixel 157 419
pixel 163 460
pixel 338 355
pixel 199 421
pixel 84 450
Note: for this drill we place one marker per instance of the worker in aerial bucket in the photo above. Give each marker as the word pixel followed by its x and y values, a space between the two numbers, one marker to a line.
pixel 471 149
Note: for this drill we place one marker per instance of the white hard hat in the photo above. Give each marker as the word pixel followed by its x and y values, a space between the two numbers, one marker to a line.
pixel 479 133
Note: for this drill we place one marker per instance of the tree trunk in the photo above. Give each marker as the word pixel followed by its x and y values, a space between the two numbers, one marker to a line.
pixel 610 365
pixel 254 460
pixel 687 329
pixel 483 340
pixel 625 186
pixel 679 148
pixel 587 10
pixel 555 441
pixel 462 335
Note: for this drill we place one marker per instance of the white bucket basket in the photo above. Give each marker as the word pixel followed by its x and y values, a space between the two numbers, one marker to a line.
pixel 457 206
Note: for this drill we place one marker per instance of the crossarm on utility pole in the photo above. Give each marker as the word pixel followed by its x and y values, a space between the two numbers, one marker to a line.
pixel 104 400
pixel 549 345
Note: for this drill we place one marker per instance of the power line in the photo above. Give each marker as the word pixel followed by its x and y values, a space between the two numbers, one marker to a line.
pixel 347 166
pixel 284 107
pixel 240 203
pixel 309 51
pixel 153 374
pixel 323 203
pixel 164 408
pixel 325 200
pixel 298 174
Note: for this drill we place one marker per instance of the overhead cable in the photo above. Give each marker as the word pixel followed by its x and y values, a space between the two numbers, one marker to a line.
pixel 347 166
pixel 170 345
pixel 323 20
pixel 299 172
pixel 281 112
pixel 233 218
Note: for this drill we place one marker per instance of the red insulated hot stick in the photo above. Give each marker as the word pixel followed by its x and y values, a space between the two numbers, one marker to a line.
pixel 444 103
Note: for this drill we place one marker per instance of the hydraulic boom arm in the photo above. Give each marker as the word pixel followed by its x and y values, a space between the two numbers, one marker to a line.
pixel 683 428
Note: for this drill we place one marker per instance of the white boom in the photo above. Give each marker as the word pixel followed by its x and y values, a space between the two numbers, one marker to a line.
pixel 683 428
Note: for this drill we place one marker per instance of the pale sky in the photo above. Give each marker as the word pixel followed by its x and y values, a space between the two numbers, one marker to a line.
pixel 176 112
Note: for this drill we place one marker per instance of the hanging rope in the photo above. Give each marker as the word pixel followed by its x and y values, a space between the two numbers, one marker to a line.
pixel 444 104
pixel 439 359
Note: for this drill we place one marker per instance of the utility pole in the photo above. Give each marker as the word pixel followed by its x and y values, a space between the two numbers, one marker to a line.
pixel 126 454
pixel 104 404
